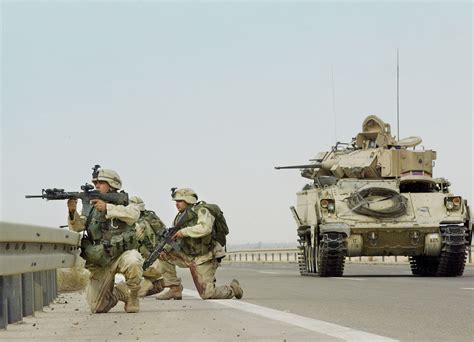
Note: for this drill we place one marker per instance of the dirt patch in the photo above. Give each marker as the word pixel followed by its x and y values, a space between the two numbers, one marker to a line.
pixel 72 279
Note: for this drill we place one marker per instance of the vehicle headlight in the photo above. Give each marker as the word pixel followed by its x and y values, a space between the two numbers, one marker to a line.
pixel 328 204
pixel 453 203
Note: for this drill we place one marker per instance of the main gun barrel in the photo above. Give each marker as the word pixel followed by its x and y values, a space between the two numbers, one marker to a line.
pixel 307 166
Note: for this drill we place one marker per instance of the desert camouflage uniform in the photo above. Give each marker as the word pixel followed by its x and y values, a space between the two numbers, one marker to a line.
pixel 151 282
pixel 101 294
pixel 203 266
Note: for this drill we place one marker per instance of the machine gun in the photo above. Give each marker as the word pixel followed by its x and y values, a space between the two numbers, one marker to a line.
pixel 88 194
pixel 166 238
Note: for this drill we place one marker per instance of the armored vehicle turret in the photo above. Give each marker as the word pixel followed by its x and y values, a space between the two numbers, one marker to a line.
pixel 376 196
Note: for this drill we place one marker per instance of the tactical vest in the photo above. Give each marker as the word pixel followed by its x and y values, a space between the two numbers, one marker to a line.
pixel 194 246
pixel 106 239
pixel 152 227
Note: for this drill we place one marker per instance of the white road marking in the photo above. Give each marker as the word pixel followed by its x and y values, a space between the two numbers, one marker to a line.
pixel 311 324
pixel 346 278
pixel 467 288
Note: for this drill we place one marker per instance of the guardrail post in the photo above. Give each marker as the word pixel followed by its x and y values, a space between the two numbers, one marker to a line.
pixel 11 293
pixel 279 256
pixel 55 283
pixel 44 287
pixel 51 285
pixel 3 306
pixel 27 290
pixel 38 291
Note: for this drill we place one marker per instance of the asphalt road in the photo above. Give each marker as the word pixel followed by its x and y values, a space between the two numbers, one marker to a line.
pixel 371 302
pixel 381 299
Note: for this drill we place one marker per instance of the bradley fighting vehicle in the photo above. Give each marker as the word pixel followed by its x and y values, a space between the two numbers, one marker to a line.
pixel 376 197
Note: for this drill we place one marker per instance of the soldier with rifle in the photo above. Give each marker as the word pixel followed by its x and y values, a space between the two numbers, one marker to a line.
pixel 148 231
pixel 109 246
pixel 109 242
pixel 191 244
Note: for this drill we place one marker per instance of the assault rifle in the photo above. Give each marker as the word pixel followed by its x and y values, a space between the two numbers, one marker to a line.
pixel 165 238
pixel 88 194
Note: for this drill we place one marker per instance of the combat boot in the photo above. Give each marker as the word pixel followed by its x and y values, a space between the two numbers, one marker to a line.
pixel 119 292
pixel 133 303
pixel 174 292
pixel 235 286
pixel 157 287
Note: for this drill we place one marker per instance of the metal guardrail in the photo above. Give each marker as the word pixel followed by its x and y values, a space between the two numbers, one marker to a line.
pixel 29 256
pixel 263 255
pixel 291 255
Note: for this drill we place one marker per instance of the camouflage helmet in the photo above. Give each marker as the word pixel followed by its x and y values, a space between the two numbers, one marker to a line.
pixel 109 176
pixel 138 202
pixel 185 194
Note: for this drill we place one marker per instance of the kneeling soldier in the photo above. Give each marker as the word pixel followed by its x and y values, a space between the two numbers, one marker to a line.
pixel 198 252
pixel 109 247
pixel 147 228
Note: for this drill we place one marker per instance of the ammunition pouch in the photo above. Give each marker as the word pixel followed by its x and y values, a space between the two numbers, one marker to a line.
pixel 96 255
pixel 196 246
pixel 102 252
pixel 106 239
pixel 116 243
pixel 129 240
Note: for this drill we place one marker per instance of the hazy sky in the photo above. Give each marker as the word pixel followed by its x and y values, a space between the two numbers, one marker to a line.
pixel 213 95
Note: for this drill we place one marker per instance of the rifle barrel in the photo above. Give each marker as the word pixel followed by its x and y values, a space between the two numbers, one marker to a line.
pixel 34 196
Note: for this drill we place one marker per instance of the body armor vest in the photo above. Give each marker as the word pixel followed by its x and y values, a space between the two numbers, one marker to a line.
pixel 106 239
pixel 194 246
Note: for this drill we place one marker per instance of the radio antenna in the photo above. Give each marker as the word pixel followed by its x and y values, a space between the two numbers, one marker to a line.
pixel 334 106
pixel 398 98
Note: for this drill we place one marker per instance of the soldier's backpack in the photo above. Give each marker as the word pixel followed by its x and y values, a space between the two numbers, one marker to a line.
pixel 220 228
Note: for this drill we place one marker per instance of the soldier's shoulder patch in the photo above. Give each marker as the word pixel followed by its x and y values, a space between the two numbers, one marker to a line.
pixel 203 211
